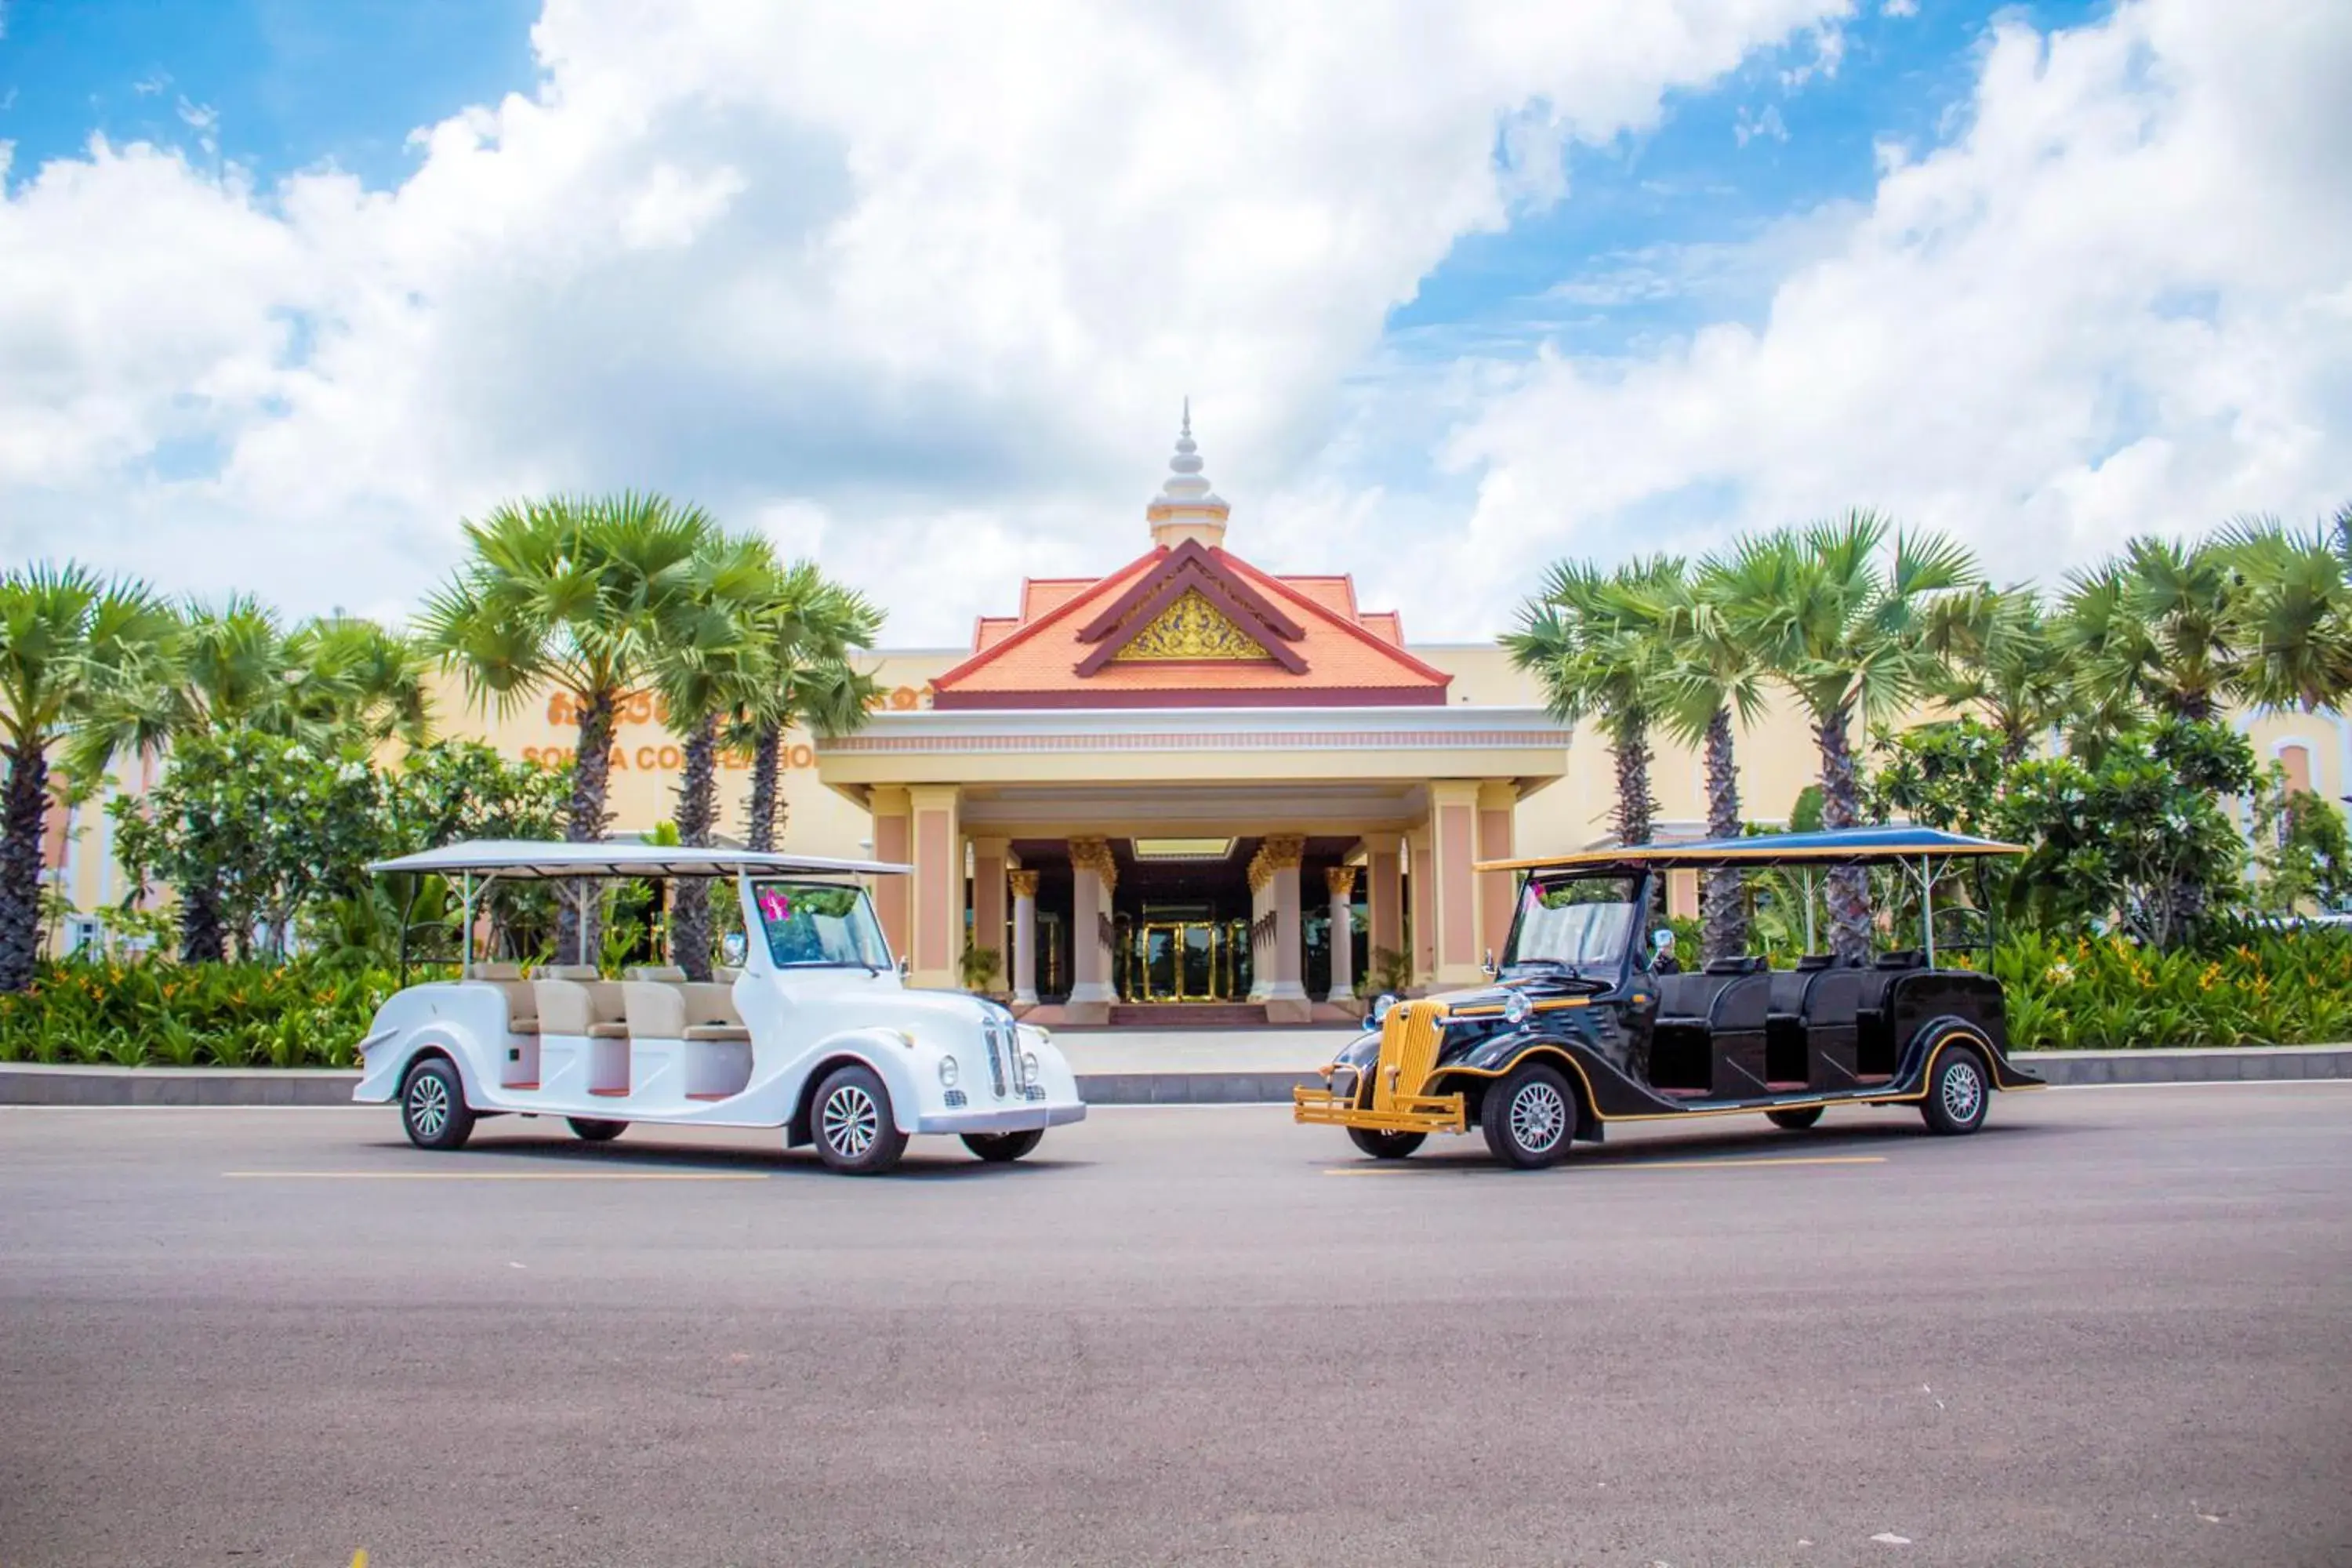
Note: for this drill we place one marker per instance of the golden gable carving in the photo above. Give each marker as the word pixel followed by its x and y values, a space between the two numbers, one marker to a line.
pixel 1191 628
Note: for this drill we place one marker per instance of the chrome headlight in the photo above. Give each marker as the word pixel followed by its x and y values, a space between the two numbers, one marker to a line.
pixel 1516 1008
pixel 948 1072
pixel 1381 1005
pixel 1029 1068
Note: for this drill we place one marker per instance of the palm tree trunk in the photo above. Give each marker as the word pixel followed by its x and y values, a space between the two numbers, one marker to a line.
pixel 1848 886
pixel 27 812
pixel 690 920
pixel 202 938
pixel 584 822
pixel 1636 806
pixel 1724 911
pixel 767 756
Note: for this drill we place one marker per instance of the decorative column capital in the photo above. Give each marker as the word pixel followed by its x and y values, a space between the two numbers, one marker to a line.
pixel 1340 880
pixel 1275 852
pixel 1094 855
pixel 1024 883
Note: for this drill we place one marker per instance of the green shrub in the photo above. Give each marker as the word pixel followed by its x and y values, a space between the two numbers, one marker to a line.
pixel 305 1013
pixel 2250 986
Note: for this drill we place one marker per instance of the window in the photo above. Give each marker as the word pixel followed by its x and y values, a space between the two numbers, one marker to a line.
pixel 1582 925
pixel 819 923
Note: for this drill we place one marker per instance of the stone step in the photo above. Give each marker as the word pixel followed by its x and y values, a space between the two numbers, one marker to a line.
pixel 1187 1016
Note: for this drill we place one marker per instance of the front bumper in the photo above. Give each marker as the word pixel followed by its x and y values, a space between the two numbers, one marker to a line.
pixel 1012 1118
pixel 1404 1113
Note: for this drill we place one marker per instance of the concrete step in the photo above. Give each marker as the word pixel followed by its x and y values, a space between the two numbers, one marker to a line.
pixel 1187 1016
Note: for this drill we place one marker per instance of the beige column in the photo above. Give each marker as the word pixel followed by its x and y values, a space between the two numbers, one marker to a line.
pixel 938 885
pixel 990 861
pixel 1421 877
pixel 1384 894
pixel 1498 801
pixel 1453 853
pixel 1093 878
pixel 1274 869
pixel 894 842
pixel 1339 882
pixel 1024 968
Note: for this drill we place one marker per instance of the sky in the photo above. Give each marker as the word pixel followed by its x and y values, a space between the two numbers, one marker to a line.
pixel 288 289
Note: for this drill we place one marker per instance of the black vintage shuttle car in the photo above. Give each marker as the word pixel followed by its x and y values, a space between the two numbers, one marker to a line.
pixel 1582 1029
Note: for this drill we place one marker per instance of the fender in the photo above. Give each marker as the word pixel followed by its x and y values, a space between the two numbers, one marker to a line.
pixel 1606 1091
pixel 885 1053
pixel 1927 1042
pixel 440 1039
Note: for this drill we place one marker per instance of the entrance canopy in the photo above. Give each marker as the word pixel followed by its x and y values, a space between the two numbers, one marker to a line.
pixel 528 859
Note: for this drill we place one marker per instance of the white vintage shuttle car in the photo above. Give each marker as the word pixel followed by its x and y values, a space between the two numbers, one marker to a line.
pixel 815 1033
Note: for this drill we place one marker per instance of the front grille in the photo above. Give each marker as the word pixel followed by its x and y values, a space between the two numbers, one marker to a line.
pixel 1410 1037
pixel 1000 1048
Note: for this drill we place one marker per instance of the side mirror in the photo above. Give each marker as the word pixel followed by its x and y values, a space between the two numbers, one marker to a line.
pixel 733 947
pixel 906 967
pixel 1488 967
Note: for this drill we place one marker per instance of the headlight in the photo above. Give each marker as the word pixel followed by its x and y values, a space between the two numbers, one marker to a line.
pixel 1381 1005
pixel 948 1072
pixel 1516 1008
pixel 1028 1067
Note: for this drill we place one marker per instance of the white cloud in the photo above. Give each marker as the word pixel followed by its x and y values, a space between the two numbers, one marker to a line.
pixel 2120 299
pixel 927 279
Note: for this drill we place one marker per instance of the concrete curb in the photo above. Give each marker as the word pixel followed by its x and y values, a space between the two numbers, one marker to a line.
pixel 27 1084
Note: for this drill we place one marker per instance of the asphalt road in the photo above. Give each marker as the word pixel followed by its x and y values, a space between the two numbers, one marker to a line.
pixel 2114 1327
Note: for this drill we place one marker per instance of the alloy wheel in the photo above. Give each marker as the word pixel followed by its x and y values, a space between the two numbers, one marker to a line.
pixel 1539 1117
pixel 850 1121
pixel 428 1105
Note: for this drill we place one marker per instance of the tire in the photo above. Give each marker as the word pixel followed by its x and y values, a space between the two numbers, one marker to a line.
pixel 1003 1148
pixel 1795 1120
pixel 850 1120
pixel 433 1110
pixel 593 1129
pixel 1959 1092
pixel 1386 1145
pixel 1529 1118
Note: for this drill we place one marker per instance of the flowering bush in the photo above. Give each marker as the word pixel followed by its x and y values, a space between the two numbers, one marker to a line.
pixel 2257 987
pixel 303 1013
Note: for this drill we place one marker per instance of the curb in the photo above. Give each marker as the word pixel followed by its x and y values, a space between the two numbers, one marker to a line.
pixel 103 1086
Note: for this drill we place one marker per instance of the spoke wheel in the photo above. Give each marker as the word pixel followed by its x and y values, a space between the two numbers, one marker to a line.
pixel 1529 1117
pixel 433 1110
pixel 852 1124
pixel 1957 1092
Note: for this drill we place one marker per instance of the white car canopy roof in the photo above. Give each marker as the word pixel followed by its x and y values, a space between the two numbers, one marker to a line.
pixel 530 859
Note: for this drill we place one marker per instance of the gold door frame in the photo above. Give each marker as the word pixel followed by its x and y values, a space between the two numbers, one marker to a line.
pixel 1220 962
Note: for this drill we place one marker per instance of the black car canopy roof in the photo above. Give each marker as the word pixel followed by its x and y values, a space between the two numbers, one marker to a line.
pixel 1848 845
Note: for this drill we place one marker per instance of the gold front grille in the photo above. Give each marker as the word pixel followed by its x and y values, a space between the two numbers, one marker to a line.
pixel 1409 1041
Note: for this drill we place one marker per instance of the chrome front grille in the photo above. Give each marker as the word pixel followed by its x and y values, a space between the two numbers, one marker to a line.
pixel 999 1051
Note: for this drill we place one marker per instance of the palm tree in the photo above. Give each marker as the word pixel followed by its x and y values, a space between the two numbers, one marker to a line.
pixel 1845 629
pixel 351 679
pixel 2290 611
pixel 1600 646
pixel 69 638
pixel 708 659
pixel 2155 627
pixel 569 593
pixel 811 629
pixel 2003 658
pixel 1716 679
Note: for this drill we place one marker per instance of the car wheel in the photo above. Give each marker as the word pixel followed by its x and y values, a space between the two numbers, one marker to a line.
pixel 593 1130
pixel 433 1106
pixel 1386 1145
pixel 1958 1091
pixel 851 1120
pixel 1529 1117
pixel 1794 1120
pixel 1003 1148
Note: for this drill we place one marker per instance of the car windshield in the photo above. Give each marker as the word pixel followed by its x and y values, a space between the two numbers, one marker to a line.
pixel 819 923
pixel 1581 924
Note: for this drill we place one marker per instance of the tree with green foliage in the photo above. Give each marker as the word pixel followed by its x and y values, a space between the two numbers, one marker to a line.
pixel 69 640
pixel 811 629
pixel 2303 855
pixel 2137 838
pixel 568 593
pixel 1844 623
pixel 267 822
pixel 2002 662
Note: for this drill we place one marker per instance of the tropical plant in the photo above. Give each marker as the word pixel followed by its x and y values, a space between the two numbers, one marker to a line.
pixel 2302 852
pixel 1843 623
pixel 2002 660
pixel 810 629
pixel 1601 647
pixel 1715 678
pixel 979 966
pixel 69 640
pixel 568 593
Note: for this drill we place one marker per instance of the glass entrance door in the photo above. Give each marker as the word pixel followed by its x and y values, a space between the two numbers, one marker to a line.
pixel 1181 961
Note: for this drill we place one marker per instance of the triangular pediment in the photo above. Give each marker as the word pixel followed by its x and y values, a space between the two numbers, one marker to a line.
pixel 1192 600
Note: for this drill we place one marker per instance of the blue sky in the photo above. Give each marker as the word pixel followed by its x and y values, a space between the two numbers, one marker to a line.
pixel 918 290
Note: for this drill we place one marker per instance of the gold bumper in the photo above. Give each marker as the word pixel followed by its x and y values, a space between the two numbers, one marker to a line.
pixel 1402 1114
